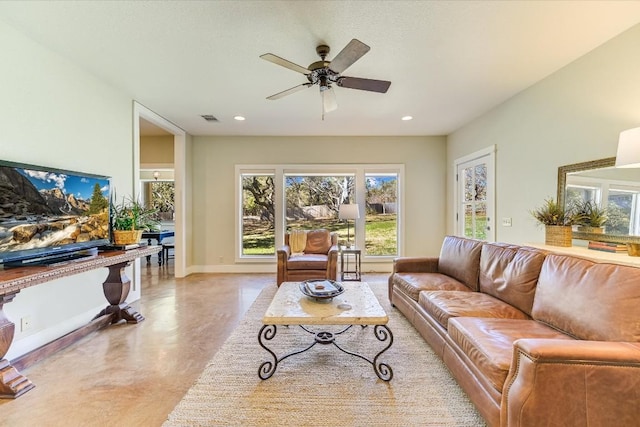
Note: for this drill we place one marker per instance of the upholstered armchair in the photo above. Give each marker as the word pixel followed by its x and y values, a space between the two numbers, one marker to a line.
pixel 308 254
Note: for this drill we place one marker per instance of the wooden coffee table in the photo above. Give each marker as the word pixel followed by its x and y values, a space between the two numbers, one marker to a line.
pixel 356 306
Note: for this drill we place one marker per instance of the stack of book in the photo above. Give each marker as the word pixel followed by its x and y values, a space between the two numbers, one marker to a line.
pixel 608 247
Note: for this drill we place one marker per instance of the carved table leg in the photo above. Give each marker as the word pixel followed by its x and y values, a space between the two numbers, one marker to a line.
pixel 116 289
pixel 12 382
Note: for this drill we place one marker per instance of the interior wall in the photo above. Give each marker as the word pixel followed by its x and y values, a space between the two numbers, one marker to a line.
pixel 573 115
pixel 213 171
pixel 53 113
pixel 156 150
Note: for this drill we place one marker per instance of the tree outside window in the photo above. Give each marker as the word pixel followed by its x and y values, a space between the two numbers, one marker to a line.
pixel 258 214
pixel 381 225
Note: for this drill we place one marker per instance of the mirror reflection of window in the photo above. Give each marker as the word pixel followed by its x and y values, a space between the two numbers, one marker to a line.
pixel 621 198
pixel 623 211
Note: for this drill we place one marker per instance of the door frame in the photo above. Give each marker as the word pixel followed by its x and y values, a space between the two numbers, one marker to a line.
pixel 490 154
pixel 179 165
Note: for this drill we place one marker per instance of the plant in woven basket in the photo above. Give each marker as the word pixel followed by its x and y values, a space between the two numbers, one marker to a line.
pixel 557 221
pixel 551 213
pixel 129 219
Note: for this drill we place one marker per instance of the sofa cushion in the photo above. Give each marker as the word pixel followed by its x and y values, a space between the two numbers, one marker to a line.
pixel 460 259
pixel 488 343
pixel 510 273
pixel 318 242
pixel 588 300
pixel 442 305
pixel 307 262
pixel 412 283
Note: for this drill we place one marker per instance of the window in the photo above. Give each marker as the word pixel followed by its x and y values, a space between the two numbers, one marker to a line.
pixel 162 199
pixel 381 222
pixel 273 199
pixel 312 201
pixel 258 214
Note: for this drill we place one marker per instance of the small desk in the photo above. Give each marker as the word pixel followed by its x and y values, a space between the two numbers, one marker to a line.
pixel 350 271
pixel 158 236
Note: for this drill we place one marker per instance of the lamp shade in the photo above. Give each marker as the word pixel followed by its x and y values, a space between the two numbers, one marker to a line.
pixel 628 155
pixel 349 211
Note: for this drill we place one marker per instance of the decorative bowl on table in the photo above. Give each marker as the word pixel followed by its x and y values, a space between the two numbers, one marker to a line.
pixel 321 288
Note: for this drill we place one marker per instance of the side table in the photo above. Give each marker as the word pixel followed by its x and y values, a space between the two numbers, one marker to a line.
pixel 350 264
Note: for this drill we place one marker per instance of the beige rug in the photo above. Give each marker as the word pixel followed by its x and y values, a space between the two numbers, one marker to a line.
pixel 323 386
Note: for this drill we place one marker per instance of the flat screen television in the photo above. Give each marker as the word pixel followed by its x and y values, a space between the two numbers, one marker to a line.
pixel 47 213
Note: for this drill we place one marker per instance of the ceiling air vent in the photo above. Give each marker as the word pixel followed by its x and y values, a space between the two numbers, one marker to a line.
pixel 209 118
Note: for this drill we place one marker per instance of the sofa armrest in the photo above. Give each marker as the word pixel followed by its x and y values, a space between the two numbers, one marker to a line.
pixel 332 262
pixel 566 382
pixel 282 255
pixel 415 265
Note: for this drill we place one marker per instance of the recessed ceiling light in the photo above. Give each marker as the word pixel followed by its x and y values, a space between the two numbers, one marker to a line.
pixel 238 118
pixel 406 118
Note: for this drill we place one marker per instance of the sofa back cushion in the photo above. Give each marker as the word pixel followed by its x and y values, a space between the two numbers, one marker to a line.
pixel 510 273
pixel 588 300
pixel 318 242
pixel 460 259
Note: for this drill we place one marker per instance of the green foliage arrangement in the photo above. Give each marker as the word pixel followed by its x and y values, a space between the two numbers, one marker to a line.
pixel 551 213
pixel 132 215
pixel 589 214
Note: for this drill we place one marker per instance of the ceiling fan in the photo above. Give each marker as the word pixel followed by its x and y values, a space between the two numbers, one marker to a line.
pixel 325 73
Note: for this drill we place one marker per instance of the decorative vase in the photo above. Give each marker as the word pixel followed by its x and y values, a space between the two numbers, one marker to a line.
pixel 633 249
pixel 558 235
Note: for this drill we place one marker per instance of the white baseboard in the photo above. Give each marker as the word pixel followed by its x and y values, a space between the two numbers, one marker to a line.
pixel 381 267
pixel 31 342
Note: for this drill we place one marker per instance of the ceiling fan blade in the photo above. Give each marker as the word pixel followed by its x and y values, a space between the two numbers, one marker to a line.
pixel 353 51
pixel 329 102
pixel 284 63
pixel 364 84
pixel 289 91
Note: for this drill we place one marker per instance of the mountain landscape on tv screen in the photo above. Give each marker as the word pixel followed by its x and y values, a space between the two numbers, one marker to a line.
pixel 37 212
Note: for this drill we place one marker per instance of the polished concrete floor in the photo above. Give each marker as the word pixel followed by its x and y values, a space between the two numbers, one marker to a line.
pixel 134 375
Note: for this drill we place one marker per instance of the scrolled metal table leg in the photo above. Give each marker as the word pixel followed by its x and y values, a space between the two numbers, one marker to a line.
pixel 383 370
pixel 266 370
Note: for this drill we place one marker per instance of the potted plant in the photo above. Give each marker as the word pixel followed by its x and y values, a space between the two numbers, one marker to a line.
pixel 557 221
pixel 590 217
pixel 129 219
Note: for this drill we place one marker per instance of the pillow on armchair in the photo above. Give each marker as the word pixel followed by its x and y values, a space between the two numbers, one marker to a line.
pixel 318 242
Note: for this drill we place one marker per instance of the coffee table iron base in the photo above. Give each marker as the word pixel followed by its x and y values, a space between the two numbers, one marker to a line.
pixel 381 332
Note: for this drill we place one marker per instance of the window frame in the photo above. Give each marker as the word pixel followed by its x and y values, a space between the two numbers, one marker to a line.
pixel 359 171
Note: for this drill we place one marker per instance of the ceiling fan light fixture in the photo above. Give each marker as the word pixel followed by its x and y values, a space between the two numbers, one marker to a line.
pixel 324 84
pixel 239 118
pixel 407 118
pixel 323 73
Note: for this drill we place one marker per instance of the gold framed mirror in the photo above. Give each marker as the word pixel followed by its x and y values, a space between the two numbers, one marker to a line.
pixel 599 170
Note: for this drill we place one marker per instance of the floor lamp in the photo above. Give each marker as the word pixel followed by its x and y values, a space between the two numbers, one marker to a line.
pixel 347 212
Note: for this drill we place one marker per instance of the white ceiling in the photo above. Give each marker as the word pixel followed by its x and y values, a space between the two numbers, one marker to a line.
pixel 448 61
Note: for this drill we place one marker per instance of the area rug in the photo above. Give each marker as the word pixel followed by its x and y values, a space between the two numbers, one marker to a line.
pixel 323 386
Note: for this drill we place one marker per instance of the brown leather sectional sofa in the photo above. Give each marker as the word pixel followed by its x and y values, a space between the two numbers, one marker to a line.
pixel 534 338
